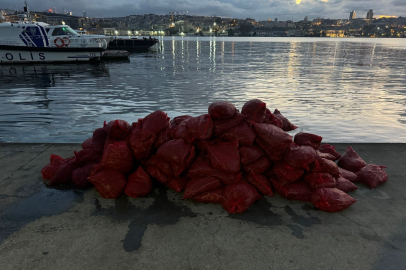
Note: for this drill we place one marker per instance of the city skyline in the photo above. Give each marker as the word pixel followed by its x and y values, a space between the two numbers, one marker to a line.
pixel 256 9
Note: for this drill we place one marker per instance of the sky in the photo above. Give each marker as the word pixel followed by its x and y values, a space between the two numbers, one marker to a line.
pixel 256 9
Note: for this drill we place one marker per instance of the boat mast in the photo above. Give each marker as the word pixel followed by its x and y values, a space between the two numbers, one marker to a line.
pixel 26 10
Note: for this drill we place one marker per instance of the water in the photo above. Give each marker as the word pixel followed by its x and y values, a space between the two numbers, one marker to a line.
pixel 346 90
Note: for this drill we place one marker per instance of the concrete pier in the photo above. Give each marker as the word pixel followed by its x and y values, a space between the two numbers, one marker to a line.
pixel 43 228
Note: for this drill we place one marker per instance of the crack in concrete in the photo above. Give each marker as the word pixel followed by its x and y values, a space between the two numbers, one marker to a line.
pixel 40 153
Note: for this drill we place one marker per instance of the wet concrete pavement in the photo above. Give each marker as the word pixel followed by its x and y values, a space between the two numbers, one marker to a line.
pixel 43 228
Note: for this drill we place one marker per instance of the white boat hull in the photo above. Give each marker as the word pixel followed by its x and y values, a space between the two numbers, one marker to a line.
pixel 38 56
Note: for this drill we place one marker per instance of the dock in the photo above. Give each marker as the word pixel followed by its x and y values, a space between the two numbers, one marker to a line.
pixel 115 55
pixel 47 228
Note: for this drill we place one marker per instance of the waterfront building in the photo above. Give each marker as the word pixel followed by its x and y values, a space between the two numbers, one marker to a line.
pixel 353 14
pixel 370 14
pixel 335 33
pixel 56 19
pixel 266 24
pixel 84 14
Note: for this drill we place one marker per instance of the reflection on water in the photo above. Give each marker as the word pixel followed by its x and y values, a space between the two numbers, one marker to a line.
pixel 345 90
pixel 42 76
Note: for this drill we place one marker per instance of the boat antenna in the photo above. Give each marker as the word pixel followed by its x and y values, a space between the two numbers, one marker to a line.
pixel 26 10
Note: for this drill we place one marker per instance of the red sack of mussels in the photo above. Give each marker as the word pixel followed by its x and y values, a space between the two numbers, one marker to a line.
pixel 223 156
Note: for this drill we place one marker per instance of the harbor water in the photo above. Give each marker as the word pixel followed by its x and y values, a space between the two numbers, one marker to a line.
pixel 345 90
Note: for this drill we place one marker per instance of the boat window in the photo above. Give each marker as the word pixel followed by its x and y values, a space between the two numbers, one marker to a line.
pixel 63 31
pixel 31 31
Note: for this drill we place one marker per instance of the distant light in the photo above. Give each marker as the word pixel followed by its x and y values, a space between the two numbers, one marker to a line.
pixel 63 23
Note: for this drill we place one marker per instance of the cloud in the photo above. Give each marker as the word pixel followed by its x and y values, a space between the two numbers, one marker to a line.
pixel 257 9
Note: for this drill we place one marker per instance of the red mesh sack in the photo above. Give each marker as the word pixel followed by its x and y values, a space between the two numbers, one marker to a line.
pixel 161 164
pixel 139 184
pixel 299 156
pixel 270 118
pixel 110 184
pixel 64 172
pixel 225 156
pixel 287 125
pixel 250 154
pixel 180 131
pixel 345 185
pixel 239 196
pixel 109 141
pixel 200 185
pixel 80 175
pixel 308 139
pixel 221 110
pixel 327 148
pixel 331 199
pixel 255 110
pixel 117 129
pixel 200 127
pixel 212 196
pixel 117 157
pixel 202 167
pixel 372 175
pixel 87 144
pixel 158 174
pixel 274 154
pixel 325 155
pixel 321 165
pixel 286 172
pixel 178 184
pixel 241 132
pixel 273 140
pixel 300 191
pixel 319 180
pixel 98 139
pixel 49 170
pixel 351 161
pixel 179 119
pixel 261 183
pixel 222 125
pixel 179 153
pixel 259 166
pixel 160 169
pixel 141 149
pixel 163 137
pixel 153 124
pixel 350 176
pixel 86 156
pixel 202 145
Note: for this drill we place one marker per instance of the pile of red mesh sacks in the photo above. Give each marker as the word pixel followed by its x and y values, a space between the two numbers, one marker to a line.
pixel 223 157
